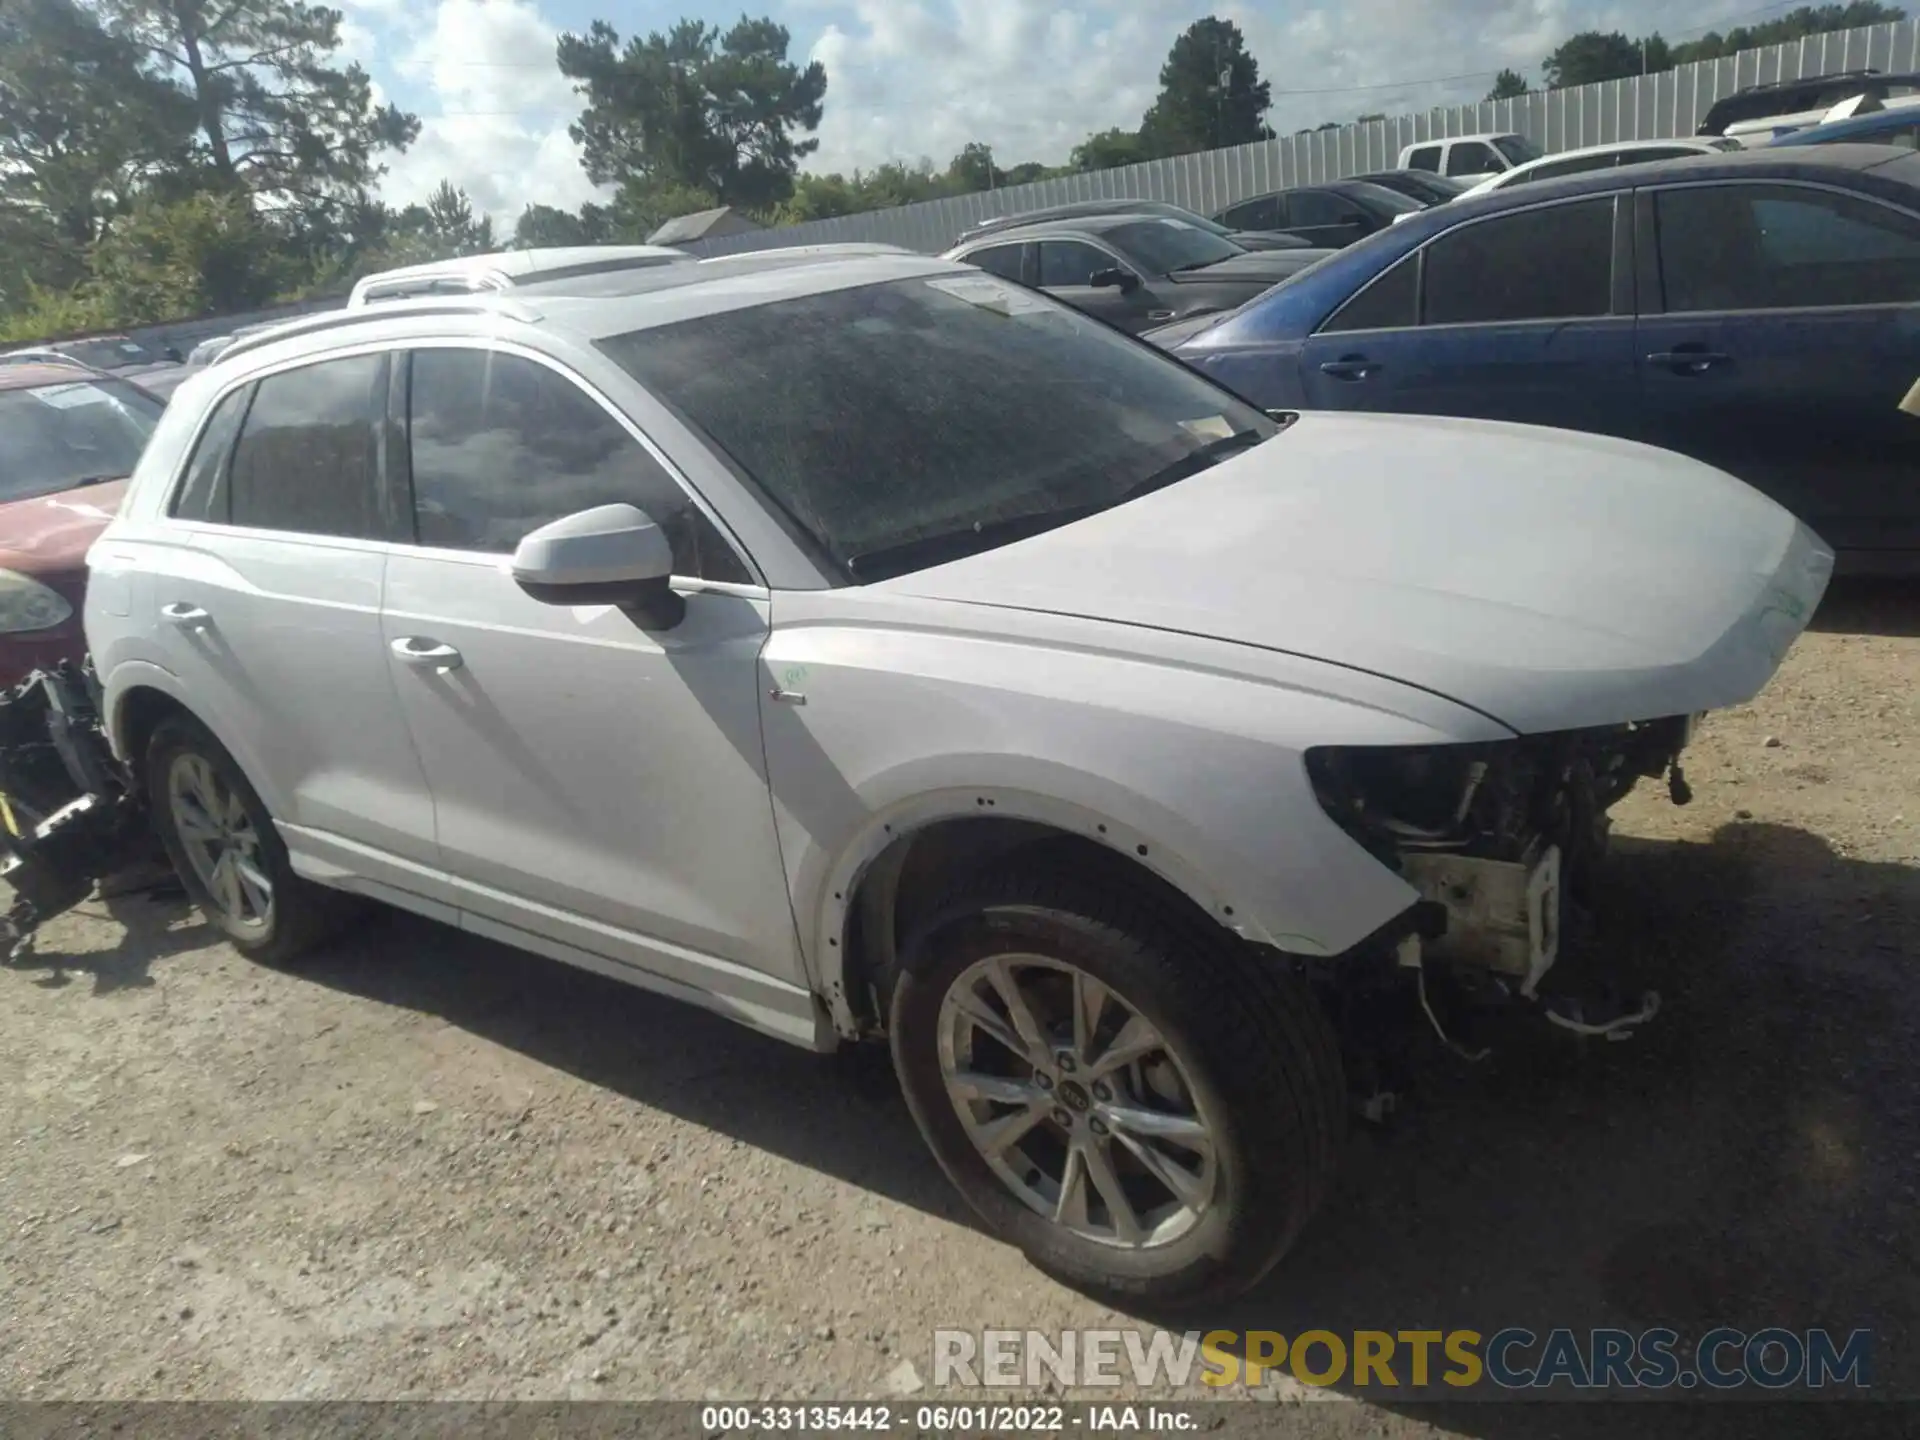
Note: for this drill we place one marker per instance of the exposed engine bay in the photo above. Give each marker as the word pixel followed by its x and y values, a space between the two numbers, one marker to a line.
pixel 1496 837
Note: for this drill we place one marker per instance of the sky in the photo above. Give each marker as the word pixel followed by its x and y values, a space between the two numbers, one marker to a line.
pixel 908 79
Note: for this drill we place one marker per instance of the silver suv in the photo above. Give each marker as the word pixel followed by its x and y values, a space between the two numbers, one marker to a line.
pixel 863 646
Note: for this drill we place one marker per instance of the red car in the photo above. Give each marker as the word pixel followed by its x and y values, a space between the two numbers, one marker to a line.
pixel 69 437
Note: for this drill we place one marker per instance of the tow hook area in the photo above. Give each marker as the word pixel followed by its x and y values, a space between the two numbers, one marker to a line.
pixel 1501 920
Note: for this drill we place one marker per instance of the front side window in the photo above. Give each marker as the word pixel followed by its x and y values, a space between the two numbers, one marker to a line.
pixel 70 433
pixel 1471 157
pixel 1165 247
pixel 1070 263
pixel 501 445
pixel 904 424
pixel 1554 263
pixel 1517 150
pixel 305 458
pixel 1001 260
pixel 1764 247
pixel 1308 208
pixel 1390 302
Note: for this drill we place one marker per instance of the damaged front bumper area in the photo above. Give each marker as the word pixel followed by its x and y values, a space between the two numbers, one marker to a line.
pixel 1495 837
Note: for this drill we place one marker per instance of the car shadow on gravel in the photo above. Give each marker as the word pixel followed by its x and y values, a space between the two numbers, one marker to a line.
pixel 150 929
pixel 1750 1159
pixel 841 1114
pixel 1870 607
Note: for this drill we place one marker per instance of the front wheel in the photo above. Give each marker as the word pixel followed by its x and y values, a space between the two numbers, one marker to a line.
pixel 1148 1108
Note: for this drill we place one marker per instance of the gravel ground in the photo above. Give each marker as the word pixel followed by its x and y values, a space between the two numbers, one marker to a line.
pixel 426 1166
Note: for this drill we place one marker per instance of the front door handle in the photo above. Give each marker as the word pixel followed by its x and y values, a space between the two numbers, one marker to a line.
pixel 1159 315
pixel 1688 360
pixel 185 615
pixel 1349 367
pixel 425 654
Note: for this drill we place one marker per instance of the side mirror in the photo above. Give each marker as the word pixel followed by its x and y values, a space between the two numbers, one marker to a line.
pixel 609 555
pixel 172 352
pixel 1114 278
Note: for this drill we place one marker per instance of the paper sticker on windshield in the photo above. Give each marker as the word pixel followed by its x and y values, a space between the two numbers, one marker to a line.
pixel 991 294
pixel 1209 427
pixel 69 397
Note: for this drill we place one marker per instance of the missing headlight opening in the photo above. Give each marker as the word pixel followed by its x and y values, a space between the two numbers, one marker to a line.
pixel 1496 838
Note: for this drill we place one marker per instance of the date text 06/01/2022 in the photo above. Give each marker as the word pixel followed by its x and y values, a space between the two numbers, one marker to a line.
pixel 940 1419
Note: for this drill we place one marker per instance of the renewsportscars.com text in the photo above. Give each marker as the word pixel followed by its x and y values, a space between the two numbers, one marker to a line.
pixel 1514 1358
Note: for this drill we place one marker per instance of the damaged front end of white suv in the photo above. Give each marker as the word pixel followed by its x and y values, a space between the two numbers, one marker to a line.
pixel 1500 838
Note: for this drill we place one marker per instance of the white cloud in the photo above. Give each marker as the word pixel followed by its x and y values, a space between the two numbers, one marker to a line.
pixel 495 122
pixel 913 78
pixel 921 78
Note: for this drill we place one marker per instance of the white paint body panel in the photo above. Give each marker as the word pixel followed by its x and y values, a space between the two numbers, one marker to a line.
pixel 1547 579
pixel 691 809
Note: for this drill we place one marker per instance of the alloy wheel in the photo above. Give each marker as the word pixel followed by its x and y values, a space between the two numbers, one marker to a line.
pixel 220 840
pixel 1076 1101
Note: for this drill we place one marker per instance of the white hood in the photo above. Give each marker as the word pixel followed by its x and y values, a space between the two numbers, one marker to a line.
pixel 1545 578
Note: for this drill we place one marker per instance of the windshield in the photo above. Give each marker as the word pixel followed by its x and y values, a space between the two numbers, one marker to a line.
pixel 1163 247
pixel 904 424
pixel 1517 151
pixel 111 352
pixel 56 437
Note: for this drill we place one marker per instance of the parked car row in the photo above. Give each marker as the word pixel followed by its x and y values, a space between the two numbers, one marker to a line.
pixel 1756 309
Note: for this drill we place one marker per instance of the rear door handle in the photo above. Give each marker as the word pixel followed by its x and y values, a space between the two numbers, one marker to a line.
pixel 1688 362
pixel 425 654
pixel 1349 367
pixel 184 615
pixel 1159 314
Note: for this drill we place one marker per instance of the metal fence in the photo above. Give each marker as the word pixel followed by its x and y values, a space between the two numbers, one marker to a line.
pixel 1646 107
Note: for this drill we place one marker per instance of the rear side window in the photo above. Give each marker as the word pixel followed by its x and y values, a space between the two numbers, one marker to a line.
pixel 1555 263
pixel 1766 247
pixel 1261 214
pixel 305 461
pixel 1391 302
pixel 1424 157
pixel 1001 260
pixel 203 494
pixel 501 445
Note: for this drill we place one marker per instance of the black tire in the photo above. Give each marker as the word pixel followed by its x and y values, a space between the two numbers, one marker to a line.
pixel 1255 1047
pixel 302 913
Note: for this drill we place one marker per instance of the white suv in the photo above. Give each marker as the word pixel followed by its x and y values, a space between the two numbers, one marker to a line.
pixel 865 646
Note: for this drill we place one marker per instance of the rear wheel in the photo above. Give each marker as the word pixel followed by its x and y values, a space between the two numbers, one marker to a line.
pixel 225 849
pixel 1144 1105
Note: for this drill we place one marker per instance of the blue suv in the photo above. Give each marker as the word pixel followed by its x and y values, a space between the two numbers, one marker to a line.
pixel 1758 310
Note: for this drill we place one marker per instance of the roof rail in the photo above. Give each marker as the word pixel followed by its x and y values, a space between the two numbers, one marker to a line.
pixel 46 357
pixel 486 303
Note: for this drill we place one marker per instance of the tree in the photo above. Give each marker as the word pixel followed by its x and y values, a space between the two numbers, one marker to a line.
pixel 541 225
pixel 1368 119
pixel 695 108
pixel 1590 57
pixel 82 129
pixel 274 115
pixel 450 219
pixel 1795 25
pixel 207 254
pixel 973 169
pixel 1108 150
pixel 1508 85
pixel 1211 93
